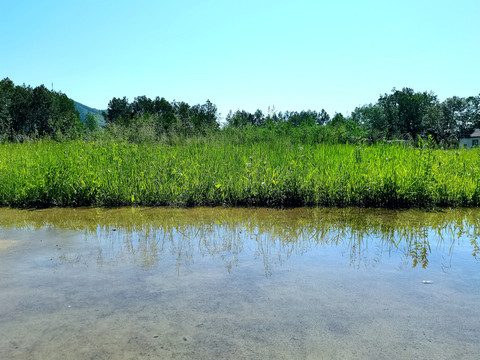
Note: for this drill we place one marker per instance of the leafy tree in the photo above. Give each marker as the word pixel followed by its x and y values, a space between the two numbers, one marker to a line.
pixel 434 124
pixel 165 112
pixel 91 122
pixel 300 118
pixel 373 119
pixel 27 112
pixel 7 89
pixel 182 115
pixel 65 119
pixel 472 111
pixel 455 121
pixel 204 116
pixel 142 106
pixel 259 118
pixel 404 111
pixel 52 114
pixel 322 118
pixel 41 111
pixel 119 111
pixel 338 119
pixel 20 109
pixel 240 118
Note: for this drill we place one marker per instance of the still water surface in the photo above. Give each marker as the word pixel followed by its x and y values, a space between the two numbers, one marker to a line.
pixel 207 283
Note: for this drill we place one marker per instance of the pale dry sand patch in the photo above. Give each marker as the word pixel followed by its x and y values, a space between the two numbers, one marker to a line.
pixel 6 243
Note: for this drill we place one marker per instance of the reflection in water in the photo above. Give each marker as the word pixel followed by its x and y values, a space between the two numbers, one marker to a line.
pixel 145 234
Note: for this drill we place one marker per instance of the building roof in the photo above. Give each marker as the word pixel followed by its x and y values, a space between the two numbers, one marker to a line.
pixel 476 133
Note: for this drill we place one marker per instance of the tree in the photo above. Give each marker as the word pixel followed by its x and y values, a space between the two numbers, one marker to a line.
pixel 7 89
pixel 142 106
pixel 338 119
pixel 41 111
pixel 165 114
pixel 91 122
pixel 322 118
pixel 455 121
pixel 204 116
pixel 434 124
pixel 20 108
pixel 65 119
pixel 373 118
pixel 119 111
pixel 182 116
pixel 404 111
pixel 472 111
pixel 240 118
pixel 36 112
pixel 258 118
pixel 209 111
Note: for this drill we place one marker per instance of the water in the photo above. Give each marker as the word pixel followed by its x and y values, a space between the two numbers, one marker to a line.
pixel 239 284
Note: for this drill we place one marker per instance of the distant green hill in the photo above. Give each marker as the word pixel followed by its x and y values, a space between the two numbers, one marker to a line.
pixel 84 110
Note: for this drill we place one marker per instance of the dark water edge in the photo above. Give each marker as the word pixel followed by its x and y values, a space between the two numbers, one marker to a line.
pixel 222 283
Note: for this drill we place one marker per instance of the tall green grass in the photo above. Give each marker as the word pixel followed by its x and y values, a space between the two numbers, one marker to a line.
pixel 223 170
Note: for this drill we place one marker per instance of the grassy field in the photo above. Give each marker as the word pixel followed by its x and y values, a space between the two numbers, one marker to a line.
pixel 221 171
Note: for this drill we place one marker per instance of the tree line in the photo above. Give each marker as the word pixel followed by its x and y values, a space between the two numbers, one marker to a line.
pixel 402 114
pixel 162 116
pixel 27 112
pixel 406 114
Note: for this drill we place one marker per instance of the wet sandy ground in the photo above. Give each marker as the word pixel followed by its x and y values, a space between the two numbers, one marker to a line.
pixel 5 244
pixel 64 296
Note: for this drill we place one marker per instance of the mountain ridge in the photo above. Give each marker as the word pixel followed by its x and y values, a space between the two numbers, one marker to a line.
pixel 84 110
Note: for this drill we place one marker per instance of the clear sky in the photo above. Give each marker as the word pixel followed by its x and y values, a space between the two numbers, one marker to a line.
pixel 249 54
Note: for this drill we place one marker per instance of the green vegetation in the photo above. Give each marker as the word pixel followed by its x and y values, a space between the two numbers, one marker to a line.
pixel 155 152
pixel 222 169
pixel 27 113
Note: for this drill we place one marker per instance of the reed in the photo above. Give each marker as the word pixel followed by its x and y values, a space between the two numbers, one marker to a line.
pixel 231 171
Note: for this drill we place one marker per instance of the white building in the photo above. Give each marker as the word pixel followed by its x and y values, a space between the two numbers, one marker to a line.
pixel 471 141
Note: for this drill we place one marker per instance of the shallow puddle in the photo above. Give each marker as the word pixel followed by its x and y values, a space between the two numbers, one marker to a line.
pixel 207 283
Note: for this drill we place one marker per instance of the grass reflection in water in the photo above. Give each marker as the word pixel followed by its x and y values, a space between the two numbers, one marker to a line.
pixel 148 234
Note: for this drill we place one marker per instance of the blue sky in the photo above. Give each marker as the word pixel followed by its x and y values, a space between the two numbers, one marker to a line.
pixel 294 55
